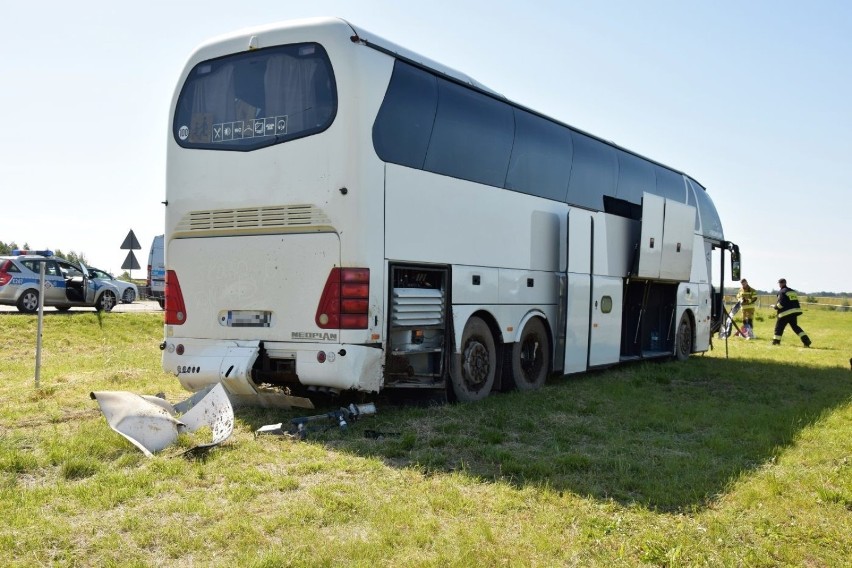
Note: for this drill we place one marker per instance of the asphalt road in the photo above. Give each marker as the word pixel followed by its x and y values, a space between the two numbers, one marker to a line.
pixel 137 306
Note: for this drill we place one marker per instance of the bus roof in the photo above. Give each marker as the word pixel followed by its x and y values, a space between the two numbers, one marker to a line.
pixel 394 50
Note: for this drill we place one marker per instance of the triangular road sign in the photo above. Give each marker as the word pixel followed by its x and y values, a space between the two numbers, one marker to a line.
pixel 130 262
pixel 130 242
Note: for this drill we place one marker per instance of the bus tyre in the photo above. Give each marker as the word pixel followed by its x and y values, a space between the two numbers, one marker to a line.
pixel 472 372
pixel 531 357
pixel 683 344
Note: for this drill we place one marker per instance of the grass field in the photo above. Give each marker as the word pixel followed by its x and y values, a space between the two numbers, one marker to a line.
pixel 739 457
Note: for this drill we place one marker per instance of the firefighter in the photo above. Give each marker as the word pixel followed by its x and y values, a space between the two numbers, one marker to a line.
pixel 747 297
pixel 789 310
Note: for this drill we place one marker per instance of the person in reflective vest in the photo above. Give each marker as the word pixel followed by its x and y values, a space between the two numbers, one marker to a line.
pixel 747 297
pixel 789 310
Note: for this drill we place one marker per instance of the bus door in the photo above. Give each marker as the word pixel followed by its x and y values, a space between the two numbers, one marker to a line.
pixel 578 293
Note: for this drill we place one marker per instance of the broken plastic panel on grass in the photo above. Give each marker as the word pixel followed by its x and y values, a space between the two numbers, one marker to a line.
pixel 152 424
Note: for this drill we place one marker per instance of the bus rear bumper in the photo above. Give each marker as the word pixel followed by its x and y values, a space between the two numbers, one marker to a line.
pixel 198 363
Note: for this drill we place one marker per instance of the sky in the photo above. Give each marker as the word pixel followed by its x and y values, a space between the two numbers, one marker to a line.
pixel 753 99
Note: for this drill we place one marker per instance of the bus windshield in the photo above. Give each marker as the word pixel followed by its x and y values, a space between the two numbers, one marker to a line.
pixel 256 99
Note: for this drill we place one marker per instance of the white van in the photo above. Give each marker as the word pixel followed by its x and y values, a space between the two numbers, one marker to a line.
pixel 157 271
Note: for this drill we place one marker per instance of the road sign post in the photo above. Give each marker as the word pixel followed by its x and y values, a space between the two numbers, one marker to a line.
pixel 131 243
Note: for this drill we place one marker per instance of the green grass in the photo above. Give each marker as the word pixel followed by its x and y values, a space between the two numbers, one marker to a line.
pixel 744 460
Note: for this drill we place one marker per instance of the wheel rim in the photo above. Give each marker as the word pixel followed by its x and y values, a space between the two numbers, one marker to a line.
pixel 128 295
pixel 475 366
pixel 107 301
pixel 30 302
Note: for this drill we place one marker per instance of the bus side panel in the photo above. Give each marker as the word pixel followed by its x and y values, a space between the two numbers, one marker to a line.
pixel 443 220
pixel 651 240
pixel 475 285
pixel 614 239
pixel 579 290
pixel 703 318
pixel 577 318
pixel 676 261
pixel 605 334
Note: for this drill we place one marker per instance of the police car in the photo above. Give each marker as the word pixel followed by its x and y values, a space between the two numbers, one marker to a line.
pixel 66 284
pixel 127 291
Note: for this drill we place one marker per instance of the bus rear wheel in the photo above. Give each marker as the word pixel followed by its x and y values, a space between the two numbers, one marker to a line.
pixel 472 372
pixel 683 343
pixel 531 357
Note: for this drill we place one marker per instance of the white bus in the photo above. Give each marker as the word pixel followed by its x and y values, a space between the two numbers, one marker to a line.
pixel 344 214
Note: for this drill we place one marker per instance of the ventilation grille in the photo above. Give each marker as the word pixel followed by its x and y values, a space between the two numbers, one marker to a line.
pixel 306 217
pixel 417 307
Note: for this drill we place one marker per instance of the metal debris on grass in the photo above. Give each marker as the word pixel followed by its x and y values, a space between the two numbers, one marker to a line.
pixel 299 426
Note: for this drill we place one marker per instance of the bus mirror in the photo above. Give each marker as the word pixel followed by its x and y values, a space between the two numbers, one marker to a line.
pixel 735 262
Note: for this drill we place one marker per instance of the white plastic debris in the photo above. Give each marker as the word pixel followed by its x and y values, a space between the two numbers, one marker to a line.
pixel 152 424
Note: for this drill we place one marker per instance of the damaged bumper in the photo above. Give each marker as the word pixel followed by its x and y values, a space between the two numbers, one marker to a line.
pixel 199 363
pixel 152 424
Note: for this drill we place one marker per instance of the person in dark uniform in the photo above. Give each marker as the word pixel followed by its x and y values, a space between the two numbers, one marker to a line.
pixel 788 308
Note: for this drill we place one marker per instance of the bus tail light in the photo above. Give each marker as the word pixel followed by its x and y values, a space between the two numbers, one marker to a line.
pixel 345 301
pixel 175 307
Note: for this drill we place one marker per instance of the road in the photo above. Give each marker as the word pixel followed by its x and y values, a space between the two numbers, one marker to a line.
pixel 137 306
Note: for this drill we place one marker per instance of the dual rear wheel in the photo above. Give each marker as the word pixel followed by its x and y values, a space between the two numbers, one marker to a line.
pixel 473 372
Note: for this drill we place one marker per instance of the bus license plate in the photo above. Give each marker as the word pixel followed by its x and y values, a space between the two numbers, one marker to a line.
pixel 245 318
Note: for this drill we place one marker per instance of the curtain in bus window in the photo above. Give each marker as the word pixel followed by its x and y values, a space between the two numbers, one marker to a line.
pixel 292 86
pixel 212 103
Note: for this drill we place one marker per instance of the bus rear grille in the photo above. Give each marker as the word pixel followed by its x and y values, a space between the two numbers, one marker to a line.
pixel 417 307
pixel 307 217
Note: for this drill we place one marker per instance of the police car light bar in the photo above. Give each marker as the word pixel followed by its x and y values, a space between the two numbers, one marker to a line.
pixel 20 252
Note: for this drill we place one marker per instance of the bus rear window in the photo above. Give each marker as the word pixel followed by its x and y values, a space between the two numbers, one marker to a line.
pixel 256 99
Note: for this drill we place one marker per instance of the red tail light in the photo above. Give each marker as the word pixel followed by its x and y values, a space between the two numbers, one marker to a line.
pixel 148 280
pixel 345 301
pixel 175 307
pixel 5 277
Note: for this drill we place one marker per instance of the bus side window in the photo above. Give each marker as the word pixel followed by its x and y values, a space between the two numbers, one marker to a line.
pixel 472 137
pixel 404 123
pixel 594 173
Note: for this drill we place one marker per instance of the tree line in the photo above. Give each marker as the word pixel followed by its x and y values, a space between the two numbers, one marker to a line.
pixel 70 256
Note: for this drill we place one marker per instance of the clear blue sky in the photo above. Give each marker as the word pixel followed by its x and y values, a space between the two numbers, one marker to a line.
pixel 754 99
